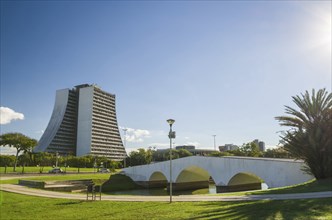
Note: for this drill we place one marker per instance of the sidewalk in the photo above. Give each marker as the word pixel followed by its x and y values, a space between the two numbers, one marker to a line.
pixel 182 198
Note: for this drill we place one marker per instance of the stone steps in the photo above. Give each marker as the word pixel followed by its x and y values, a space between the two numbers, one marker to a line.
pixel 65 186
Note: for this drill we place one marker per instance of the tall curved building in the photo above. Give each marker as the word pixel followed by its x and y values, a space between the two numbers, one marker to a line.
pixel 83 122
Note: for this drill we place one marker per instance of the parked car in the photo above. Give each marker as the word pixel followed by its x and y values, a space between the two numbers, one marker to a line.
pixel 56 170
pixel 104 170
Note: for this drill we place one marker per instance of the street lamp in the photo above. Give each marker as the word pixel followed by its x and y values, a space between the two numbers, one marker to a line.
pixel 170 135
pixel 94 165
pixel 125 140
pixel 56 158
pixel 214 141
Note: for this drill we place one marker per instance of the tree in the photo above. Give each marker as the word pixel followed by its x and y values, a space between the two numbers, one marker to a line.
pixel 43 159
pixel 220 154
pixel 175 154
pixel 18 141
pixel 250 150
pixel 279 152
pixel 6 160
pixel 138 157
pixel 310 134
pixel 24 160
pixel 184 153
pixel 79 162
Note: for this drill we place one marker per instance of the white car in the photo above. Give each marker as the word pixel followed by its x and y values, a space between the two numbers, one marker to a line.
pixel 104 170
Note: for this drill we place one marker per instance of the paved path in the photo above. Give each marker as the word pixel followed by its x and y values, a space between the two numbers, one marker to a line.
pixel 182 198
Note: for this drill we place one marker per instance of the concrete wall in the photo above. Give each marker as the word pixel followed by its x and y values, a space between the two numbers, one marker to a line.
pixel 274 172
pixel 60 105
pixel 84 121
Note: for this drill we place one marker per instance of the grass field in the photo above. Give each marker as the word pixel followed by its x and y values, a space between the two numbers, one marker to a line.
pixel 45 170
pixel 15 206
pixel 121 183
pixel 97 176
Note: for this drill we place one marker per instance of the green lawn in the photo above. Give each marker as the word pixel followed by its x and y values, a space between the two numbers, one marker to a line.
pixel 16 206
pixel 310 186
pixel 45 170
pixel 94 176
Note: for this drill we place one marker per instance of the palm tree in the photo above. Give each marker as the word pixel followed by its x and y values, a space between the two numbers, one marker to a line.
pixel 310 134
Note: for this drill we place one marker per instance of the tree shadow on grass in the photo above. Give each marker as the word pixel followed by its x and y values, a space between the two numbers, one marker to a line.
pixel 70 202
pixel 268 209
pixel 311 186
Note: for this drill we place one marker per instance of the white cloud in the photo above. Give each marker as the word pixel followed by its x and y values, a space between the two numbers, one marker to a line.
pixel 196 144
pixel 7 151
pixel 159 145
pixel 7 115
pixel 136 135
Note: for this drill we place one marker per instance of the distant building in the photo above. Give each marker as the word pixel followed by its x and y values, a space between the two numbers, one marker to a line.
pixel 228 147
pixel 256 142
pixel 83 122
pixel 261 146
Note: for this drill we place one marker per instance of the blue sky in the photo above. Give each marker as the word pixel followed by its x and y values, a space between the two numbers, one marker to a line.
pixel 217 67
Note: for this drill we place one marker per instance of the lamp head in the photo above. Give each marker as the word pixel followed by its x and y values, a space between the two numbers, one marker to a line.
pixel 170 121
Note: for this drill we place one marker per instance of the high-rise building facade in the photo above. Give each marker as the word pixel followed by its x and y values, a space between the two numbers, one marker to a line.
pixel 228 147
pixel 83 122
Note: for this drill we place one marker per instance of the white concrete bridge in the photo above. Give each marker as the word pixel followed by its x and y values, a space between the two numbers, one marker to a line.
pixel 228 173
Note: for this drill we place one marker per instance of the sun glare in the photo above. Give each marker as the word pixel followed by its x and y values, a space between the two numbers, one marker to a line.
pixel 315 33
pixel 319 29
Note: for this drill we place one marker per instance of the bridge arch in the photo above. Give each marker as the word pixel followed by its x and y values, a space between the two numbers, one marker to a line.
pixel 192 173
pixel 244 181
pixel 244 178
pixel 157 176
pixel 192 177
pixel 157 180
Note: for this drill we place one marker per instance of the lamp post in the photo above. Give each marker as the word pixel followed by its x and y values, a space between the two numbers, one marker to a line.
pixel 94 165
pixel 66 163
pixel 214 141
pixel 170 135
pixel 56 158
pixel 125 140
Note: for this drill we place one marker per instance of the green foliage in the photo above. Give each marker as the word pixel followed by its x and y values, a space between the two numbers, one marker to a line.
pixel 165 154
pixel 119 182
pixel 159 156
pixel 140 157
pixel 19 141
pixel 250 150
pixel 279 152
pixel 175 154
pixel 220 154
pixel 184 153
pixel 309 137
pixel 7 160
pixel 43 159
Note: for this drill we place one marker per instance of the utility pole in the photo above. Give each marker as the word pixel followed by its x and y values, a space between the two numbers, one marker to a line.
pixel 214 141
